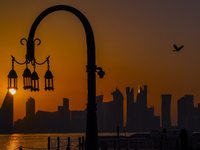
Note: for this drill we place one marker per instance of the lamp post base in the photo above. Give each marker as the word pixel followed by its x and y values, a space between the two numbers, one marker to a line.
pixel 91 142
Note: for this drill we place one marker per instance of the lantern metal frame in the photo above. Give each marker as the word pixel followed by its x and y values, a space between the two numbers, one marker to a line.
pixel 12 78
pixel 30 80
pixel 48 78
pixel 27 78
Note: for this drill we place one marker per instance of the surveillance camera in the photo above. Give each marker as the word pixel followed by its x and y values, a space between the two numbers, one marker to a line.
pixel 101 74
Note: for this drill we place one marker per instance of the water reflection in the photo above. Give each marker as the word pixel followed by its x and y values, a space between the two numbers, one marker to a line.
pixel 14 142
pixel 39 141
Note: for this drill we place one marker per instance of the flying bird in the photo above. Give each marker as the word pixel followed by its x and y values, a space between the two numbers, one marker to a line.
pixel 177 48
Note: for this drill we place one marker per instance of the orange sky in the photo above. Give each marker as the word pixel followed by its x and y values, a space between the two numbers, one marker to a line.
pixel 134 42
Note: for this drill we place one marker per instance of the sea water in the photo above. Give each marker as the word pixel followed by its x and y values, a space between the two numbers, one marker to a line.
pixel 36 141
pixel 40 141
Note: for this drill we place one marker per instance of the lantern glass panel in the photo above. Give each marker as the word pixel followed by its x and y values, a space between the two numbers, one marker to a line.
pixel 34 82
pixel 27 79
pixel 12 79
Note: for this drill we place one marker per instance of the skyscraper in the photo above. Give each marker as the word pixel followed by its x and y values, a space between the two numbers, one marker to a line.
pixel 165 110
pixel 29 120
pixel 130 108
pixel 186 112
pixel 6 115
pixel 152 120
pixel 108 117
pixel 100 119
pixel 64 116
pixel 141 109
pixel 30 108
pixel 118 108
pixel 78 119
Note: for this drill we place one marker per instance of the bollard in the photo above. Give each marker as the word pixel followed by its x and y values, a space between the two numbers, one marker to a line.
pixel 48 146
pixel 83 142
pixel 58 142
pixel 68 145
pixel 79 143
pixel 118 137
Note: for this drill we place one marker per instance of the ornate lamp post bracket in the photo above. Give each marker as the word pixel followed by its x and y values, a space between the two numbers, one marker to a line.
pixel 91 124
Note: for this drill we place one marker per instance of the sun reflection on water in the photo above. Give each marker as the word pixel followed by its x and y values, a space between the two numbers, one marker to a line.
pixel 14 141
pixel 36 141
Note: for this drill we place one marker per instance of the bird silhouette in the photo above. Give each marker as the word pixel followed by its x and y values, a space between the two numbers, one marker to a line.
pixel 177 48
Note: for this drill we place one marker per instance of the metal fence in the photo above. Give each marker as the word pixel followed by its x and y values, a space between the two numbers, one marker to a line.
pixel 114 143
pixel 145 144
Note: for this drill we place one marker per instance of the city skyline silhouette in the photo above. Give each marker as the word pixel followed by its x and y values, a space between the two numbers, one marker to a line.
pixel 134 116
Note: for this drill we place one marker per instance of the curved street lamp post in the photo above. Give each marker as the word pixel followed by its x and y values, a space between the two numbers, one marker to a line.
pixel 31 81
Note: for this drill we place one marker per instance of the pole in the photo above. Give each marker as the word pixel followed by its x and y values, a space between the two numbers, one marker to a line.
pixel 49 140
pixel 83 143
pixel 68 144
pixel 79 143
pixel 91 142
pixel 58 142
pixel 117 137
pixel 118 132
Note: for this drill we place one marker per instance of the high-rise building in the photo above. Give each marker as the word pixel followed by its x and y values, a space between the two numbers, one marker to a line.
pixel 113 113
pixel 152 120
pixel 186 112
pixel 6 115
pixel 118 100
pixel 141 109
pixel 108 117
pixel 100 120
pixel 29 120
pixel 130 108
pixel 78 120
pixel 30 108
pixel 64 111
pixel 64 116
pixel 165 110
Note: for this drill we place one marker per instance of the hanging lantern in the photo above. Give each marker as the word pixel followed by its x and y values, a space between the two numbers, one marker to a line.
pixel 34 82
pixel 48 80
pixel 12 80
pixel 27 79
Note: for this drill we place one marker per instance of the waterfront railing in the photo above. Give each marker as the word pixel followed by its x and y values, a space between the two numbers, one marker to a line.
pixel 117 143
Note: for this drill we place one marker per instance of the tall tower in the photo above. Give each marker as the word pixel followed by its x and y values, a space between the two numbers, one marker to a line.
pixel 6 115
pixel 186 112
pixel 30 116
pixel 166 107
pixel 66 103
pixel 64 116
pixel 130 108
pixel 100 119
pixel 118 108
pixel 30 108
pixel 141 109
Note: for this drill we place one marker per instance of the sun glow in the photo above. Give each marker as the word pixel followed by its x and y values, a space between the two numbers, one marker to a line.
pixel 12 91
